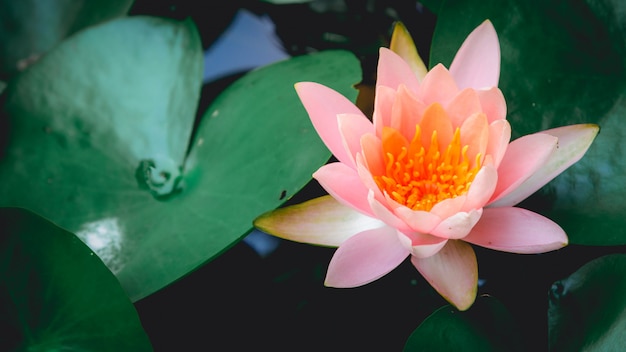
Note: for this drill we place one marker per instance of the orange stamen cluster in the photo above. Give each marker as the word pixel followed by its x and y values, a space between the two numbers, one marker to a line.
pixel 419 176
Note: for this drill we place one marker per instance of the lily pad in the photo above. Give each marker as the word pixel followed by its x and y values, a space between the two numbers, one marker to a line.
pixel 56 295
pixel 30 28
pixel 486 326
pixel 587 310
pixel 98 133
pixel 562 64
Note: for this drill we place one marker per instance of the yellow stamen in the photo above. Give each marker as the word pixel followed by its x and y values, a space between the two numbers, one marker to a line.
pixel 420 177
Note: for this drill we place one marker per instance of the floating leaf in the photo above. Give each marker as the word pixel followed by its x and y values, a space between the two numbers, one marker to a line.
pixel 99 131
pixel 56 295
pixel 486 326
pixel 587 310
pixel 433 5
pixel 29 28
pixel 562 64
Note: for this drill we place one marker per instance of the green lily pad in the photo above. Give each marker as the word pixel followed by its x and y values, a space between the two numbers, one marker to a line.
pixel 95 126
pixel 587 310
pixel 56 295
pixel 433 5
pixel 562 64
pixel 99 131
pixel 486 326
pixel 30 28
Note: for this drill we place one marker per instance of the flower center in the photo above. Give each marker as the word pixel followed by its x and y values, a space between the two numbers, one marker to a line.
pixel 419 176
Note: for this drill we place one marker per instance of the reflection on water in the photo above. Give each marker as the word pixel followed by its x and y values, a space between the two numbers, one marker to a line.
pixel 104 237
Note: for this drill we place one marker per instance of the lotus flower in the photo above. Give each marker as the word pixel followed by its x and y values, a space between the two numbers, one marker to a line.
pixel 434 171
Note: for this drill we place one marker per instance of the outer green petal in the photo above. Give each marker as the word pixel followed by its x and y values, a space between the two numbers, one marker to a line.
pixel 322 221
pixel 573 142
pixel 403 45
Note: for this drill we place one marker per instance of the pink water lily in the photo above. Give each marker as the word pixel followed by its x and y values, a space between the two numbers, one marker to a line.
pixel 434 171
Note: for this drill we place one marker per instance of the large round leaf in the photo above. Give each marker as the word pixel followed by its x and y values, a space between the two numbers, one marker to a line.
pixel 100 127
pixel 56 295
pixel 587 310
pixel 486 326
pixel 96 128
pixel 256 147
pixel 562 63
pixel 29 28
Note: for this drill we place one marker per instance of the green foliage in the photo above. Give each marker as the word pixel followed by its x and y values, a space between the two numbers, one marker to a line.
pixel 562 63
pixel 87 116
pixel 98 140
pixel 30 28
pixel 56 295
pixel 486 326
pixel 588 309
pixel 98 136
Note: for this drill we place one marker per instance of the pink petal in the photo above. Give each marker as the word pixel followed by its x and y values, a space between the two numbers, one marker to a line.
pixel 368 181
pixel 475 134
pixel 573 143
pixel 463 105
pixel 437 87
pixel 417 220
pixel 435 118
pixel 449 207
pixel 453 272
pixel 323 105
pixel 344 184
pixel 352 127
pixel 407 111
pixel 477 63
pixel 499 138
pixel 482 188
pixel 321 221
pixel 393 71
pixel 372 152
pixel 523 157
pixel 422 245
pixel 365 257
pixel 393 141
pixel 384 214
pixel 428 250
pixel 383 102
pixel 493 103
pixel 458 225
pixel 517 230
